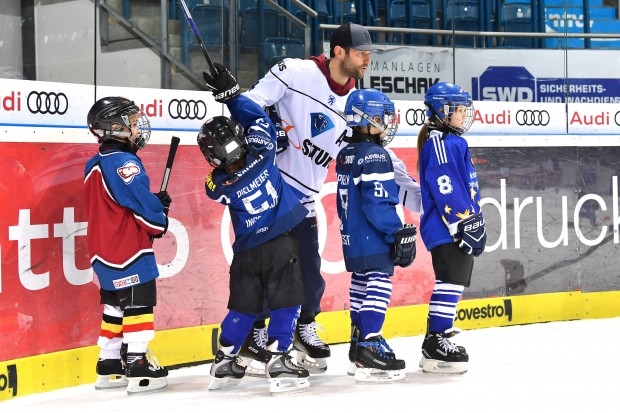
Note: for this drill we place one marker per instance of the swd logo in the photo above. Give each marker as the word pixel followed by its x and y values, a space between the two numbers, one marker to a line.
pixel 488 311
pixel 8 381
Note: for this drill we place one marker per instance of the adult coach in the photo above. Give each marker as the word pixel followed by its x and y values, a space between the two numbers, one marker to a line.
pixel 309 97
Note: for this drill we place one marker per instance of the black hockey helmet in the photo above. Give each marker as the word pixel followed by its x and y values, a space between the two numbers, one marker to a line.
pixel 222 141
pixel 116 110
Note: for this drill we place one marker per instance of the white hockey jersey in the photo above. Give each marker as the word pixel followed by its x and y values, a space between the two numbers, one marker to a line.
pixel 312 116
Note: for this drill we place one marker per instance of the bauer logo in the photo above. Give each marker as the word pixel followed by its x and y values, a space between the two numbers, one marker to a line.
pixel 487 311
pixel 8 380
pixel 126 282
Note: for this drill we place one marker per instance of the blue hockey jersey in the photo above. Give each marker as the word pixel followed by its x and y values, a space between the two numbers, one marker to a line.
pixel 366 202
pixel 262 206
pixel 449 187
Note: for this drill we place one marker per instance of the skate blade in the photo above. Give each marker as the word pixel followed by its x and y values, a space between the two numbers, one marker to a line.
pixel 253 368
pixel 443 367
pixel 368 375
pixel 279 387
pixel 352 369
pixel 316 366
pixel 143 385
pixel 222 383
pixel 113 381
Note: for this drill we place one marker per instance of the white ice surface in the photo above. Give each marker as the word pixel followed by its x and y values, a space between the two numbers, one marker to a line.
pixel 568 366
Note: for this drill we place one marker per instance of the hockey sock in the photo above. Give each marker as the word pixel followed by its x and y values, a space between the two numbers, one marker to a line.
pixel 374 305
pixel 442 306
pixel 111 333
pixel 357 292
pixel 306 317
pixel 258 324
pixel 282 326
pixel 138 328
pixel 235 328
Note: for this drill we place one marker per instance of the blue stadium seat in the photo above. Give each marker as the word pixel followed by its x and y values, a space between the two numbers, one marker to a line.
pixel 463 15
pixel 250 36
pixel 277 48
pixel 421 18
pixel 212 24
pixel 516 17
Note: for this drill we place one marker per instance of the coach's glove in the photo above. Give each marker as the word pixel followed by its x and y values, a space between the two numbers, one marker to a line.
pixel 404 245
pixel 224 85
pixel 473 235
pixel 282 138
pixel 165 200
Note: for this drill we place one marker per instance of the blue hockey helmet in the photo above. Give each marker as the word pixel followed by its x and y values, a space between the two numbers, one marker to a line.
pixel 364 106
pixel 442 100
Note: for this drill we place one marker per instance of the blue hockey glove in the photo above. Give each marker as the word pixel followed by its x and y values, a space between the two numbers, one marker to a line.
pixel 282 138
pixel 473 235
pixel 404 245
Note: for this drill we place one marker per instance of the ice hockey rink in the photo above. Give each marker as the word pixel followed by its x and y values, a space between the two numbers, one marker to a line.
pixel 569 366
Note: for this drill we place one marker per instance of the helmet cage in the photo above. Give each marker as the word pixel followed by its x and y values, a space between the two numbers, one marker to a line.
pixel 222 141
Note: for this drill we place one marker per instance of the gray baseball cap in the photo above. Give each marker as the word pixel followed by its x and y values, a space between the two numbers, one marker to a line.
pixel 354 36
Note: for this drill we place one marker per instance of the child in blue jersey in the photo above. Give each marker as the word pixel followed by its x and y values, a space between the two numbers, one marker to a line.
pixel 123 218
pixel 263 209
pixel 451 225
pixel 373 236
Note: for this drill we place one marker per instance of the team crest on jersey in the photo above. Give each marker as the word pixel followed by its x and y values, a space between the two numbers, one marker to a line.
pixel 320 123
pixel 128 171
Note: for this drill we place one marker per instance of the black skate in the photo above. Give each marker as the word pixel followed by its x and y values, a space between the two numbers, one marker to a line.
pixel 312 352
pixel 225 371
pixel 145 374
pixel 111 372
pixel 355 335
pixel 440 355
pixel 253 354
pixel 376 362
pixel 283 374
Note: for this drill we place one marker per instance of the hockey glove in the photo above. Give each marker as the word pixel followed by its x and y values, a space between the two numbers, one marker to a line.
pixel 282 138
pixel 224 85
pixel 404 245
pixel 165 200
pixel 473 235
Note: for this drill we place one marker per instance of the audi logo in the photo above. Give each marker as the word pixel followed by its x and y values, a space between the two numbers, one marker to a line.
pixel 187 109
pixel 415 117
pixel 533 117
pixel 47 103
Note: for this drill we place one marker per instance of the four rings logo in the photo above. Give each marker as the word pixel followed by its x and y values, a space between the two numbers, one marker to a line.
pixel 533 117
pixel 415 117
pixel 51 103
pixel 187 109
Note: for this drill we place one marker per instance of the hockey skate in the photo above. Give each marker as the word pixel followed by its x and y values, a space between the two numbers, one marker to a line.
pixel 312 352
pixel 283 374
pixel 145 374
pixel 253 353
pixel 377 363
pixel 111 372
pixel 225 371
pixel 440 355
pixel 355 335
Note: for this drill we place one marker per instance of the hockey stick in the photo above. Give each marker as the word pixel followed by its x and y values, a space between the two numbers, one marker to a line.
pixel 174 144
pixel 190 20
